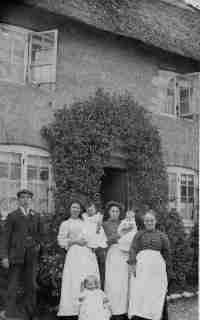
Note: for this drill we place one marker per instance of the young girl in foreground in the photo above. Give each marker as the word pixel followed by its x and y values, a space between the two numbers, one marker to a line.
pixel 93 302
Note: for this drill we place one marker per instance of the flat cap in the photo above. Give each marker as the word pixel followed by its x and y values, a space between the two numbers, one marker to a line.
pixel 24 191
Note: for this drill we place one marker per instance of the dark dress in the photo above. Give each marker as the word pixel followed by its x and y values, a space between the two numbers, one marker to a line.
pixel 152 240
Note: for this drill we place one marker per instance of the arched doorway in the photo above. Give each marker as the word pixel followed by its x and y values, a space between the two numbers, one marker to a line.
pixel 114 186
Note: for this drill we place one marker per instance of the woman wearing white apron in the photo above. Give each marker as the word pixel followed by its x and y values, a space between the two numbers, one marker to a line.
pixel 116 274
pixel 149 259
pixel 79 262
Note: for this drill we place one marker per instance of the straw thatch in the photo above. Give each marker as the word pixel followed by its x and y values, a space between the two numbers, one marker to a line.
pixel 154 22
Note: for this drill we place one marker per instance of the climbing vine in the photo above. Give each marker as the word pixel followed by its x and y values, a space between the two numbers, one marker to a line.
pixel 81 140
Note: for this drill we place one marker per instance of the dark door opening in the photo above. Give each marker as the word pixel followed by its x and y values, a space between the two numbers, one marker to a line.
pixel 114 186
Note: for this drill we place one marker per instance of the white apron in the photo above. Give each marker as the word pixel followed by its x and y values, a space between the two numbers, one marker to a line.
pixel 148 289
pixel 80 262
pixel 116 279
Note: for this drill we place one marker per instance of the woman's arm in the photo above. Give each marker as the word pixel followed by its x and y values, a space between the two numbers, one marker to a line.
pixel 134 248
pixel 166 253
pixel 63 235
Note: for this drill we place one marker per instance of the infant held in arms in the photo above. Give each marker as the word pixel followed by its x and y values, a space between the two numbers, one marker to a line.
pixel 127 230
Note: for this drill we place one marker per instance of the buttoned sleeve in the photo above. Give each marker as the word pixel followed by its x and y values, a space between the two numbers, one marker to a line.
pixel 134 248
pixel 63 235
pixel 166 253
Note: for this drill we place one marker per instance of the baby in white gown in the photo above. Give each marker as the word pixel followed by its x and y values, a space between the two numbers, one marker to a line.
pixel 95 234
pixel 96 238
pixel 93 303
pixel 126 230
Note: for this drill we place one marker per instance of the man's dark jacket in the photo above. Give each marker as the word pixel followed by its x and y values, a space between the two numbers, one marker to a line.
pixel 21 233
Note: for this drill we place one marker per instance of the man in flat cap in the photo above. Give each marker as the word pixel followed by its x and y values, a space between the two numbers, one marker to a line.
pixel 23 233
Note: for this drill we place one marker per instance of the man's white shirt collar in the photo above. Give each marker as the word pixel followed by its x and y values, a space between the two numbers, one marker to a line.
pixel 26 212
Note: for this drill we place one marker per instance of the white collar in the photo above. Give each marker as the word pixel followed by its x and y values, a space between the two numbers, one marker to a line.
pixel 26 212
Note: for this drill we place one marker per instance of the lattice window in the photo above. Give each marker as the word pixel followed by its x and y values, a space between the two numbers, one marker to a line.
pixel 13 54
pixel 42 58
pixel 24 167
pixel 182 94
pixel 182 186
pixel 27 56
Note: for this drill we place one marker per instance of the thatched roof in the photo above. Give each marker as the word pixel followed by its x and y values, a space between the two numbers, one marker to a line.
pixel 155 22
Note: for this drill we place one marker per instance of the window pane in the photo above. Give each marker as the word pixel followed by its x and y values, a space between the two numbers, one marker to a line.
pixel 170 97
pixel 183 179
pixel 32 173
pixel 38 181
pixel 191 194
pixel 44 174
pixel 3 170
pixel 5 45
pixel 170 103
pixel 184 100
pixel 183 194
pixel 15 171
pixel 13 46
pixel 43 47
pixel 42 74
pixel 18 56
pixel 191 180
pixel 10 172
pixel 172 185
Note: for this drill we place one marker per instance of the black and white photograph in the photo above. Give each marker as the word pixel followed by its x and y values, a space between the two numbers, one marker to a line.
pixel 99 159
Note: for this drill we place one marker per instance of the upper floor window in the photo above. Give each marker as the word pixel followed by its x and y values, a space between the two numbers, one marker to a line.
pixel 25 167
pixel 183 95
pixel 27 56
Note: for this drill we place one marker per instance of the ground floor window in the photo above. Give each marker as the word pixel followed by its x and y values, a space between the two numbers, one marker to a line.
pixel 25 167
pixel 183 192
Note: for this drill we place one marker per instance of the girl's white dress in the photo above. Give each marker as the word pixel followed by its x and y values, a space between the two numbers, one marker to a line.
pixel 92 305
pixel 80 261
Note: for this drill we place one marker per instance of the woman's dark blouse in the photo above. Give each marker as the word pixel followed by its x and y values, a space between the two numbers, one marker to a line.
pixel 152 240
pixel 110 228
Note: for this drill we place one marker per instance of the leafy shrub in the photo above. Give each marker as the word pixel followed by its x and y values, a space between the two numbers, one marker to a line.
pixel 193 274
pixel 81 140
pixel 50 267
pixel 182 252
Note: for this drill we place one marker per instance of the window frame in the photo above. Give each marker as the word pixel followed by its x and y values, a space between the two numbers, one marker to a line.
pixel 176 80
pixel 25 152
pixel 54 58
pixel 14 29
pixel 179 171
pixel 28 34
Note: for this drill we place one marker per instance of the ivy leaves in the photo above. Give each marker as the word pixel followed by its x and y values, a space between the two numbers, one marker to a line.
pixel 81 140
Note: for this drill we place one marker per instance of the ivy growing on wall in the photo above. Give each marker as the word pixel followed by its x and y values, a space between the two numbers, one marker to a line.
pixel 81 139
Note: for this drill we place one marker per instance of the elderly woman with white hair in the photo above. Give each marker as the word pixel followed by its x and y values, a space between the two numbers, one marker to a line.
pixel 149 258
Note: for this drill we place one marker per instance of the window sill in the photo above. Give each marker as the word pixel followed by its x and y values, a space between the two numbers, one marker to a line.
pixel 174 117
